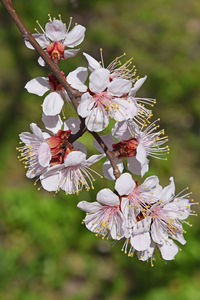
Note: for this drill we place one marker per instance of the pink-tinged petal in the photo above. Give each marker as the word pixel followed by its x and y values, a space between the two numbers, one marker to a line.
pixel 52 123
pixel 44 155
pixel 73 124
pixel 70 53
pixel 168 250
pixel 85 105
pixel 41 61
pixel 99 80
pixel 121 130
pixel 55 30
pixel 108 169
pixel 168 192
pixel 77 79
pixel 79 147
pixel 97 120
pixel 75 36
pixel 93 64
pixel 52 104
pixel 36 130
pixel 141 154
pixel 137 86
pixel 141 242
pixel 93 159
pixel 124 184
pixel 89 207
pixel 50 180
pixel 38 86
pixel 75 159
pixel 119 86
pixel 107 197
pixel 40 38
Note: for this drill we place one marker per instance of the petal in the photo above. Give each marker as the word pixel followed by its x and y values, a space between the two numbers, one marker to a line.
pixel 93 64
pixel 134 166
pixel 168 250
pixel 94 158
pixel 52 104
pixel 77 78
pixel 157 233
pixel 108 169
pixel 41 61
pixel 97 120
pixel 70 53
pixel 99 80
pixel 141 242
pixel 124 184
pixel 121 109
pixel 36 131
pixel 89 207
pixel 85 105
pixel 40 38
pixel 52 123
pixel 146 254
pixel 150 183
pixel 121 130
pixel 141 155
pixel 38 86
pixel 74 159
pixel 137 86
pixel 75 36
pixel 44 155
pixel 55 30
pixel 73 124
pixel 107 197
pixel 119 86
pixel 50 180
pixel 168 192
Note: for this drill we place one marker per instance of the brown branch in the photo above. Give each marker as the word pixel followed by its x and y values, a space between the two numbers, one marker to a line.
pixel 73 94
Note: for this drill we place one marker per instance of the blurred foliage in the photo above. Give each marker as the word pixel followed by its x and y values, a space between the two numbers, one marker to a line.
pixel 45 252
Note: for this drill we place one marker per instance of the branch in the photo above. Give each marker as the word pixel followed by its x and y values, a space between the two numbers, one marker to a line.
pixel 73 94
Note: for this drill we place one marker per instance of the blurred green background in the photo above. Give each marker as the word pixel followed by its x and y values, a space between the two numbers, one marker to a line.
pixel 45 252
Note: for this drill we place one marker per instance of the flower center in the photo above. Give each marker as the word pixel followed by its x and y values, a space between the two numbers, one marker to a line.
pixel 56 51
pixel 59 146
pixel 54 83
pixel 125 148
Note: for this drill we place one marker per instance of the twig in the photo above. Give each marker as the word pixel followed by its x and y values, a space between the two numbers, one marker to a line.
pixel 73 94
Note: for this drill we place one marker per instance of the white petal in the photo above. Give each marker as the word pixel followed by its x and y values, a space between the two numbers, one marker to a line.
pixel 75 159
pixel 157 233
pixel 38 86
pixel 44 155
pixel 168 250
pixel 121 112
pixel 36 130
pixel 40 38
pixel 89 207
pixel 146 254
pixel 150 183
pixel 121 130
pixel 137 86
pixel 85 105
pixel 73 124
pixel 141 154
pixel 141 242
pixel 52 104
pixel 119 86
pixel 108 169
pixel 134 166
pixel 107 197
pixel 124 184
pixel 145 168
pixel 50 180
pixel 55 30
pixel 52 123
pixel 41 61
pixel 75 36
pixel 168 192
pixel 70 53
pixel 97 120
pixel 77 79
pixel 94 158
pixel 99 80
pixel 93 64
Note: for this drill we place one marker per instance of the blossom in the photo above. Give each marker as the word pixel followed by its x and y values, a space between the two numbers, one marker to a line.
pixel 54 101
pixel 137 144
pixel 104 217
pixel 56 39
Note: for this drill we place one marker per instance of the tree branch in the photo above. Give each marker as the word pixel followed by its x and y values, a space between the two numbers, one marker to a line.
pixel 73 94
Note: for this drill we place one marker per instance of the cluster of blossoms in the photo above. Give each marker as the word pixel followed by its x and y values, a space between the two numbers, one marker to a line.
pixel 145 216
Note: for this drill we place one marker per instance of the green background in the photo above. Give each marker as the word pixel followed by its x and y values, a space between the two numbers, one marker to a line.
pixel 45 252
